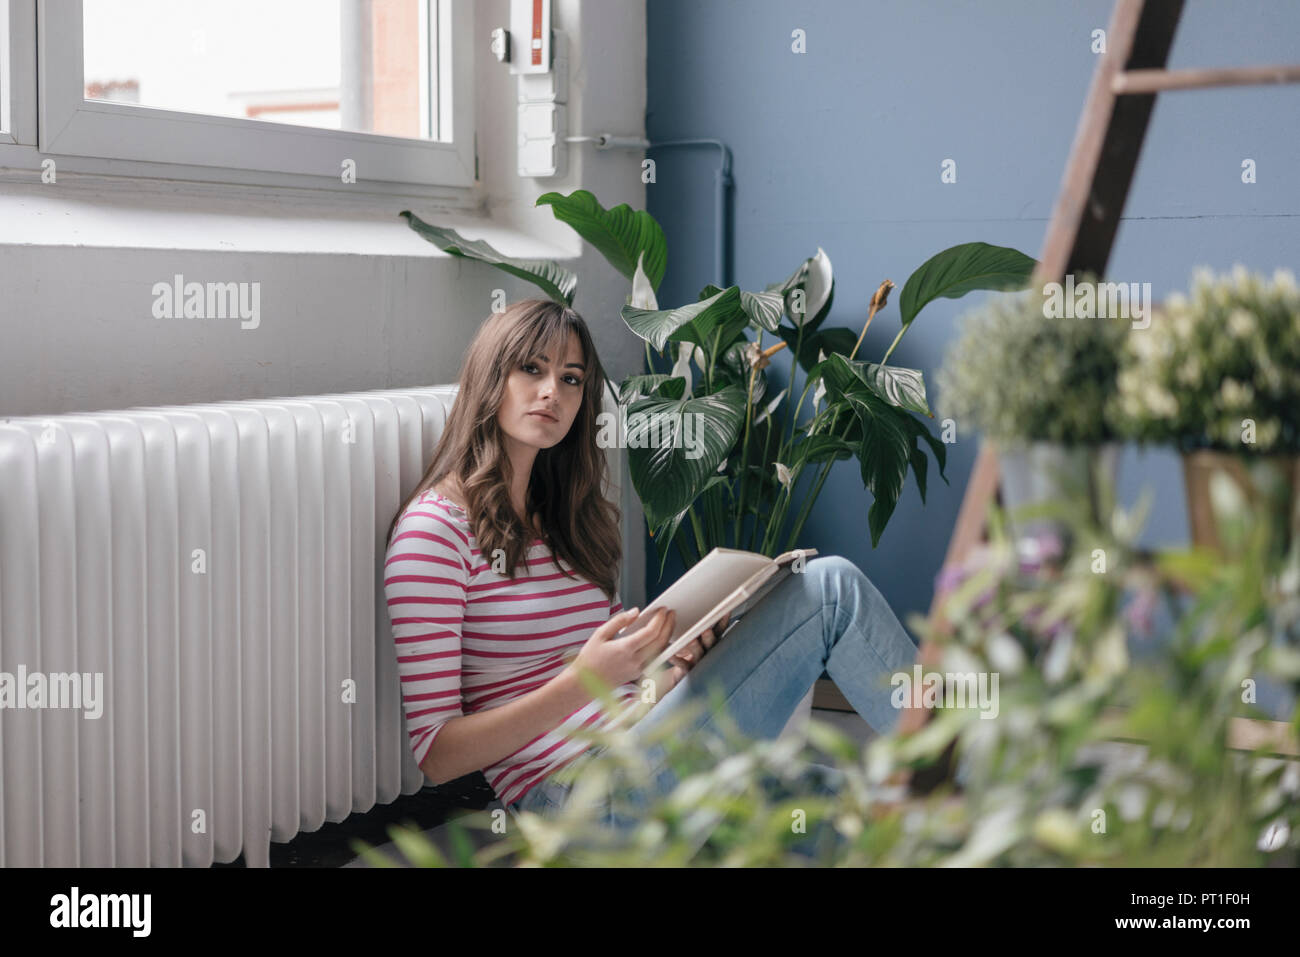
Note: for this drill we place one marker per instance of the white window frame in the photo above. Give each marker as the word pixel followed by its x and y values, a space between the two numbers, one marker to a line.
pixel 17 73
pixel 256 151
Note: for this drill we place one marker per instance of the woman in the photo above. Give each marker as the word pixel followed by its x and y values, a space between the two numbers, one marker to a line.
pixel 502 564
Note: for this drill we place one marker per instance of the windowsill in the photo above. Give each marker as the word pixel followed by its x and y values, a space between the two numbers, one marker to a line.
pixel 109 212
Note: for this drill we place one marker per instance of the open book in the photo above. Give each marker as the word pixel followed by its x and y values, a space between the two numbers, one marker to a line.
pixel 724 582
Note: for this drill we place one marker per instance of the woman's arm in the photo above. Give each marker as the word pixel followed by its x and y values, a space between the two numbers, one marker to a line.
pixel 475 741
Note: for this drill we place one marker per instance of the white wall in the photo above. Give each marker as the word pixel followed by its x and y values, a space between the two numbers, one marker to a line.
pixel 349 301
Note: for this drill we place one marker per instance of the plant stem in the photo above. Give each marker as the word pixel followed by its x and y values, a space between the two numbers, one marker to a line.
pixel 699 531
pixel 744 448
pixel 794 367
pixel 793 427
pixel 680 540
pixel 892 344
pixel 804 512
pixel 877 303
pixel 776 518
pixel 766 457
pixel 713 358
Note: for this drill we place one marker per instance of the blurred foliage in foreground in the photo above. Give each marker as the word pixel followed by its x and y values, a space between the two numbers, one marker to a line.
pixel 1120 675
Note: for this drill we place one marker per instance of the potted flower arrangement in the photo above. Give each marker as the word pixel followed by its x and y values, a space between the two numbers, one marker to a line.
pixel 1217 376
pixel 1042 389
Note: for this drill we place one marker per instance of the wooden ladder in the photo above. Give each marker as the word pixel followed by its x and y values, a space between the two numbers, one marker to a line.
pixel 1080 236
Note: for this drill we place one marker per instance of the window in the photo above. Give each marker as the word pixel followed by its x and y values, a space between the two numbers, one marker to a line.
pixel 17 72
pixel 313 88
pixel 6 121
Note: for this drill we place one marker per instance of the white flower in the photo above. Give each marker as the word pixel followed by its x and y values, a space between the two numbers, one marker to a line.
pixel 783 475
pixel 1145 343
pixel 682 365
pixel 1241 323
pixel 1236 395
pixel 643 293
pixel 817 286
pixel 1160 403
pixel 1189 373
pixel 820 392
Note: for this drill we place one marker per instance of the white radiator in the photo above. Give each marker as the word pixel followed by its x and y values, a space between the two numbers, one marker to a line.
pixel 220 566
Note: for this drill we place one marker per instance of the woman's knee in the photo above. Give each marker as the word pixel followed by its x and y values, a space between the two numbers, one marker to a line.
pixel 842 582
pixel 832 572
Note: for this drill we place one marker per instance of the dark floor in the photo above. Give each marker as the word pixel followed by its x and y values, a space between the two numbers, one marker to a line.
pixel 430 807
pixel 331 845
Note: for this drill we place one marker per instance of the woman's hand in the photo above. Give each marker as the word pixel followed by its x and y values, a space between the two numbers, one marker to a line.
pixel 617 661
pixel 689 657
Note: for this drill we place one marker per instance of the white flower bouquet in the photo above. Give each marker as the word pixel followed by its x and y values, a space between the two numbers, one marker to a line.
pixel 1219 368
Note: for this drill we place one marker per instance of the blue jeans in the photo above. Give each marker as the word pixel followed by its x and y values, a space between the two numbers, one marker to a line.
pixel 829 617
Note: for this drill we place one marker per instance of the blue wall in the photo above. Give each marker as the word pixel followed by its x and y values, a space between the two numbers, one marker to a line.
pixel 840 147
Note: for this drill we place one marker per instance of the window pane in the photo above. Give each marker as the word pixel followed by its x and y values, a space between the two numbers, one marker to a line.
pixel 4 66
pixel 361 65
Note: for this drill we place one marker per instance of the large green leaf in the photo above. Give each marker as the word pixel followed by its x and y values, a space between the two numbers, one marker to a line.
pixel 884 450
pixel 732 366
pixel 667 479
pixel 619 234
pixel 556 281
pixel 902 387
pixel 721 327
pixel 764 309
pixel 961 269
pixel 920 464
pixel 638 386
pixel 664 535
pixel 657 326
pixel 663 538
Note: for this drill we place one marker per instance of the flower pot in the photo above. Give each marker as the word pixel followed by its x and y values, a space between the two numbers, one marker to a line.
pixel 1253 474
pixel 1035 473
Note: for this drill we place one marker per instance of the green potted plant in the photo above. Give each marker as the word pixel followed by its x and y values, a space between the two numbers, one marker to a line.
pixel 1217 376
pixel 762 459
pixel 1041 389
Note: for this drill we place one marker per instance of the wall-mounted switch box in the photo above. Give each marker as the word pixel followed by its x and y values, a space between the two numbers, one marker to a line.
pixel 543 116
pixel 552 86
pixel 542 150
pixel 530 36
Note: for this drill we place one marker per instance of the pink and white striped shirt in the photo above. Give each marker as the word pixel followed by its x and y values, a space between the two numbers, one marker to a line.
pixel 469 639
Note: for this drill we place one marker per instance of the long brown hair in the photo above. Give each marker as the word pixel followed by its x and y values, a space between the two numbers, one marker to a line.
pixel 567 484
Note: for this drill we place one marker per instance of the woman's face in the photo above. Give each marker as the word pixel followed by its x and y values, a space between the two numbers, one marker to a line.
pixel 542 396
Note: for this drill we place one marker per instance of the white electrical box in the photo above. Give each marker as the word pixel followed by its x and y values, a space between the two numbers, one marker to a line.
pixel 542 150
pixel 530 36
pixel 542 115
pixel 552 86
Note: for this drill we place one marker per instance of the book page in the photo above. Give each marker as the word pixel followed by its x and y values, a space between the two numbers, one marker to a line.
pixel 710 580
pixel 718 585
